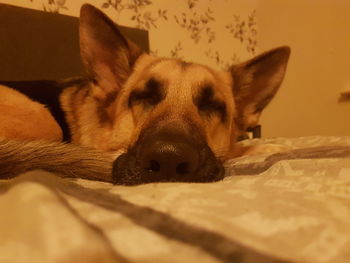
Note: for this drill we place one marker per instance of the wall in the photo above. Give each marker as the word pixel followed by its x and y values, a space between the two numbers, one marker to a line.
pixel 318 32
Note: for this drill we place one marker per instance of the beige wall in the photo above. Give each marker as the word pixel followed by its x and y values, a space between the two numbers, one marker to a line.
pixel 318 32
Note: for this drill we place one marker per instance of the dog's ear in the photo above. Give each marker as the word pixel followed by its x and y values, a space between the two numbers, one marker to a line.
pixel 107 55
pixel 255 82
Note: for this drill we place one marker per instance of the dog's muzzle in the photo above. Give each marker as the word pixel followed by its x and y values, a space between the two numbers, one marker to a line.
pixel 167 157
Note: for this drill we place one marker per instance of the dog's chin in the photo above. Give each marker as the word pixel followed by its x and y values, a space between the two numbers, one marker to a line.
pixel 128 171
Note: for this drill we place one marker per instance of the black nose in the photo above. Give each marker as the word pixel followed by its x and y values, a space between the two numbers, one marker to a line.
pixel 169 160
pixel 167 157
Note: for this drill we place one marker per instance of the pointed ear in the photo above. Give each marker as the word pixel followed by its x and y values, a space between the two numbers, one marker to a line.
pixel 107 55
pixel 256 82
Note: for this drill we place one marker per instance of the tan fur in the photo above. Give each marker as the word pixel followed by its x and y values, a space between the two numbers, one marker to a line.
pixel 66 160
pixel 124 130
pixel 22 118
pixel 126 124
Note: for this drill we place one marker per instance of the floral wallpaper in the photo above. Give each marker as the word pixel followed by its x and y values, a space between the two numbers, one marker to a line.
pixel 216 33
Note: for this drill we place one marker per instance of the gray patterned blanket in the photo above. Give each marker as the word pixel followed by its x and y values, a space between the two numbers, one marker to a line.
pixel 292 206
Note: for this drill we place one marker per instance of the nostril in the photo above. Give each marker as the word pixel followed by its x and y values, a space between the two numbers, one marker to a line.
pixel 154 166
pixel 182 168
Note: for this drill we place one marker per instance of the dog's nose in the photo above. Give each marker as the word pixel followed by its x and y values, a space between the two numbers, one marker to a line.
pixel 169 160
pixel 167 157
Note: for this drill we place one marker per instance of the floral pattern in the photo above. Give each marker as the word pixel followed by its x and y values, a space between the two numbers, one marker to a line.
pixel 197 24
pixel 216 33
pixel 143 18
pixel 245 31
pixel 54 6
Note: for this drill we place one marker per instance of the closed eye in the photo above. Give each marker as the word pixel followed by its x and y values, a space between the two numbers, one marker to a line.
pixel 213 107
pixel 150 95
pixel 208 105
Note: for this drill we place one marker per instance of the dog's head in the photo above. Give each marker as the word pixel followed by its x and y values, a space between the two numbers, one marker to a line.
pixel 176 120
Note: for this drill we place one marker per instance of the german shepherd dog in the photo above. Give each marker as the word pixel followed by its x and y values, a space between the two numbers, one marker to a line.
pixel 172 120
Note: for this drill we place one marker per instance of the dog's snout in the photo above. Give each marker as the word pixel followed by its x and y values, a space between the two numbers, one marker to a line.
pixel 167 157
pixel 169 160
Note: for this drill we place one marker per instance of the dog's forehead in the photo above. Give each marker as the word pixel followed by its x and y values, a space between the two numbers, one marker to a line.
pixel 184 75
pixel 182 71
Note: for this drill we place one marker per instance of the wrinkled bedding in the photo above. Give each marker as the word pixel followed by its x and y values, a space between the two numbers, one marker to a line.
pixel 292 206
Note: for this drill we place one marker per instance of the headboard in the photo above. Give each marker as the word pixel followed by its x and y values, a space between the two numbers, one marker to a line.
pixel 40 45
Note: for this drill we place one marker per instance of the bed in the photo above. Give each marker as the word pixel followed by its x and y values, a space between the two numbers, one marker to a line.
pixel 290 206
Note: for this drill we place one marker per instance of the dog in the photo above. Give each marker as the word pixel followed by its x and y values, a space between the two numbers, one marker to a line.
pixel 172 120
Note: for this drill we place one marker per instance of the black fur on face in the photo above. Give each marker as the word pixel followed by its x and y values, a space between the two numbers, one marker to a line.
pixel 208 105
pixel 151 94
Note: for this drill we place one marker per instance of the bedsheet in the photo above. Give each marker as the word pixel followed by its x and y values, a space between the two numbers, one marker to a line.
pixel 292 206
